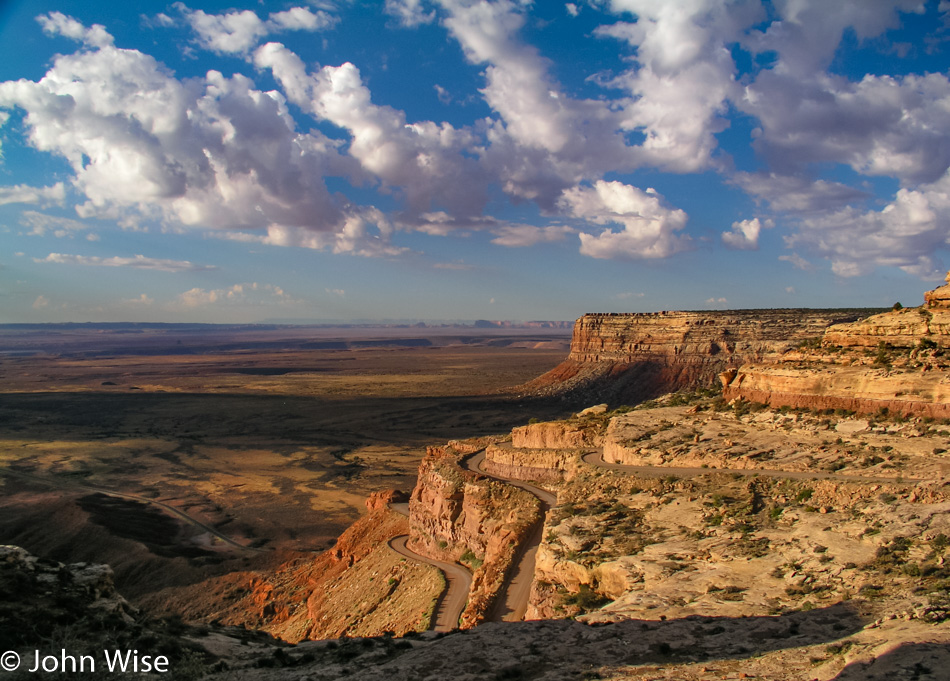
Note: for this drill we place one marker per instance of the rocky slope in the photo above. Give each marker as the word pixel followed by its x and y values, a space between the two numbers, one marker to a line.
pixel 358 588
pixel 830 563
pixel 629 357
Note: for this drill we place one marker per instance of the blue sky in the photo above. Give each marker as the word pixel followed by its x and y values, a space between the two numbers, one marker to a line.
pixel 466 159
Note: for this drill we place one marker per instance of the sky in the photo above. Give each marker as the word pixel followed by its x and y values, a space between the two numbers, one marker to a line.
pixel 343 160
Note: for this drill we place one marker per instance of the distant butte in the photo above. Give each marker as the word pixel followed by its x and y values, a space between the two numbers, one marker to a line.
pixel 632 357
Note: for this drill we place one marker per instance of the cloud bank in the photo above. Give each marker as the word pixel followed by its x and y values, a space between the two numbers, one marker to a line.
pixel 224 154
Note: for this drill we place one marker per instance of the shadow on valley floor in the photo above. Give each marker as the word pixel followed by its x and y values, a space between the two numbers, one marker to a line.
pixel 286 472
pixel 923 661
pixel 404 421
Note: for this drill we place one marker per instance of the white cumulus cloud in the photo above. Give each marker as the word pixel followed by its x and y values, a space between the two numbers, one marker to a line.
pixel 906 233
pixel 410 13
pixel 22 193
pixel 41 223
pixel 238 31
pixel 212 152
pixel 648 226
pixel 139 262
pixel 744 234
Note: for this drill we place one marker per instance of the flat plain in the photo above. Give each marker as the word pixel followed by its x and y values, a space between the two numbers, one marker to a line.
pixel 163 449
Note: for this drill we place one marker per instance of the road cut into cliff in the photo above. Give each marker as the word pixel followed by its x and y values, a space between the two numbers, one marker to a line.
pixel 512 604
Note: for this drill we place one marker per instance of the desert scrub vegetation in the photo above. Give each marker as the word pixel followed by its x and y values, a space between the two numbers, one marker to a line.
pixel 589 534
pixel 471 560
pixel 702 397
pixel 584 600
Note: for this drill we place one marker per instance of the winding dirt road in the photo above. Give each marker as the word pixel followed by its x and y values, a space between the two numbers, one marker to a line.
pixel 517 586
pixel 596 458
pixel 458 581
pixel 171 510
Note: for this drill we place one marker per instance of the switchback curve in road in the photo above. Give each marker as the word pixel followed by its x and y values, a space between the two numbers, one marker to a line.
pixel 458 582
pixel 517 585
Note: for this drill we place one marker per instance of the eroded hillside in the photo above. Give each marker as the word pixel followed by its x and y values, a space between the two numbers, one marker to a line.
pixel 688 539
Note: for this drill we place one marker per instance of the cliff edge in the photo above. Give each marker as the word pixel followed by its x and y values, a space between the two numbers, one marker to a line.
pixel 632 357
pixel 889 363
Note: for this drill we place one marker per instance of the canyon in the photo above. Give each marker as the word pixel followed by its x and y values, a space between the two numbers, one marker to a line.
pixel 693 524
pixel 688 539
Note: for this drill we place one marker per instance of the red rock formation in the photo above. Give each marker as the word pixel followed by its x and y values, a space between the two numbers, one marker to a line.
pixel 457 515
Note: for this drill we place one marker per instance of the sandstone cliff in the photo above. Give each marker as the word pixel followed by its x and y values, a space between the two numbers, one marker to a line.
pixel 530 465
pixel 859 389
pixel 906 375
pixel 632 357
pixel 900 328
pixel 555 435
pixel 457 515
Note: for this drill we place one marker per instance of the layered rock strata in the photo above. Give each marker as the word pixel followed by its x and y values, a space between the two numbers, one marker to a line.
pixel 856 389
pixel 530 465
pixel 554 435
pixel 907 375
pixel 903 328
pixel 636 356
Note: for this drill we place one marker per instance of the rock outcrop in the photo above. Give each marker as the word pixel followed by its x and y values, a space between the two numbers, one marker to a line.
pixel 904 328
pixel 530 465
pixel 458 515
pixel 907 374
pixel 39 596
pixel 636 356
pixel 554 435
pixel 859 389
pixel 939 298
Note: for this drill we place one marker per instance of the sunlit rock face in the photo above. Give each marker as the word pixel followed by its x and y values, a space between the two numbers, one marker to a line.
pixel 629 357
